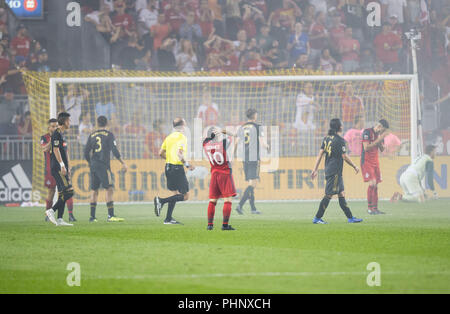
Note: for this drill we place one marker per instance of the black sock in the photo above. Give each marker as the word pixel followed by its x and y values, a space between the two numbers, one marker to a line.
pixel 252 200
pixel 322 207
pixel 343 204
pixel 110 206
pixel 93 209
pixel 170 209
pixel 173 198
pixel 60 205
pixel 246 195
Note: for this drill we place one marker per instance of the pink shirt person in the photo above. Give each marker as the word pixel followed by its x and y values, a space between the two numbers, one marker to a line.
pixel 391 144
pixel 354 137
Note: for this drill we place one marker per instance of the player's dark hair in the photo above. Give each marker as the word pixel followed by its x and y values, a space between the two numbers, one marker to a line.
pixel 178 122
pixel 102 121
pixel 335 126
pixel 62 117
pixel 52 120
pixel 384 123
pixel 429 149
pixel 251 113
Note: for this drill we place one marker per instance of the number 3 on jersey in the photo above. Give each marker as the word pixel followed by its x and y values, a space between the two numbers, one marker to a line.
pixel 99 144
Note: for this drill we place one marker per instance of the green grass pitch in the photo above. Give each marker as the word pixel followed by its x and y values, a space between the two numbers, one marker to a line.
pixel 280 251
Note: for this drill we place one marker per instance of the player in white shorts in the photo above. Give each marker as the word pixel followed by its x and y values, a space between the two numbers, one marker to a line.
pixel 411 179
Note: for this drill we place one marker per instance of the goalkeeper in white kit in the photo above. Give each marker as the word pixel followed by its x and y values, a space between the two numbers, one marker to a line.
pixel 411 180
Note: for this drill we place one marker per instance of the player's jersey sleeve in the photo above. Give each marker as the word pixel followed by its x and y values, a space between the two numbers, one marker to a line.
pixel 343 147
pixel 87 149
pixel 57 140
pixel 324 143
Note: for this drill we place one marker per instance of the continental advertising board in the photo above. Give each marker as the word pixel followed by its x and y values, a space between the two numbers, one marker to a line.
pixel 145 179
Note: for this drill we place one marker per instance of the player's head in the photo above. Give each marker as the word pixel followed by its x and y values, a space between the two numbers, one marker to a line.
pixel 179 124
pixel 102 121
pixel 252 114
pixel 52 125
pixel 381 126
pixel 430 150
pixel 64 119
pixel 213 134
pixel 335 126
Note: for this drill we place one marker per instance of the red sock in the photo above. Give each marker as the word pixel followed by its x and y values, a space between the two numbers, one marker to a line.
pixel 69 204
pixel 211 212
pixel 48 204
pixel 226 212
pixel 375 197
pixel 370 197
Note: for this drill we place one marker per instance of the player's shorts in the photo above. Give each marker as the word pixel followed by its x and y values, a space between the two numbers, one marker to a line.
pixel 334 184
pixel 176 178
pixel 49 181
pixel 371 172
pixel 101 176
pixel 62 182
pixel 221 185
pixel 410 184
pixel 251 170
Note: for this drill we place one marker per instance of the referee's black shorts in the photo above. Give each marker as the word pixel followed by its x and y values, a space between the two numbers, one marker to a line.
pixel 101 175
pixel 62 182
pixel 251 170
pixel 176 178
pixel 334 184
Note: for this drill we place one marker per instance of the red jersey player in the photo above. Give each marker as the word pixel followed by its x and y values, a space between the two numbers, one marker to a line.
pixel 372 141
pixel 50 182
pixel 222 183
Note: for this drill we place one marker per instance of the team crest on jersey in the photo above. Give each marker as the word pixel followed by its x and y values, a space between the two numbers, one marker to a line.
pixel 64 144
pixel 56 142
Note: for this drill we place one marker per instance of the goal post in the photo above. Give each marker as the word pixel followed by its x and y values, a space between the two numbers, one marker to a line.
pixel 295 112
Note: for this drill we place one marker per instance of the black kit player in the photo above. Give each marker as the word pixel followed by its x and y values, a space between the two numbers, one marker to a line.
pixel 334 149
pixel 251 137
pixel 59 163
pixel 97 152
pixel 49 181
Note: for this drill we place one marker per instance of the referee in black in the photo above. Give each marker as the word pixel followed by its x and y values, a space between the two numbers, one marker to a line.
pixel 174 150
pixel 97 152
pixel 251 138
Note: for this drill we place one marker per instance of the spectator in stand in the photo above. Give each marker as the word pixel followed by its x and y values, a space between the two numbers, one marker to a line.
pixel 264 38
pixel 186 57
pixel 34 51
pixel 353 137
pixel 73 101
pixel 302 62
pixel 392 145
pixel 85 128
pixel 395 7
pixel 175 15
pixel 42 64
pixel 352 105
pixel 320 6
pixel 233 19
pixel 241 42
pixel 286 15
pixel 367 61
pixel 337 30
pixel 298 43
pixel 255 62
pixel 308 16
pixel 251 19
pixel 25 128
pixel 21 44
pixel 318 37
pixel 191 30
pixel 148 16
pixel 135 128
pixel 165 56
pixel 123 20
pixel 349 50
pixel 130 55
pixel 154 140
pixel 277 56
pixel 387 46
pixel 327 62
pixel 395 26
pixel 353 11
pixel 306 106
pixel 208 110
pixel 205 18
pixel 160 31
pixel 104 25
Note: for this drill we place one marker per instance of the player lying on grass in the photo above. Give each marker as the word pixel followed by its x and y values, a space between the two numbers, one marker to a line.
pixel 222 183
pixel 334 149
pixel 411 179
pixel 97 153
pixel 49 181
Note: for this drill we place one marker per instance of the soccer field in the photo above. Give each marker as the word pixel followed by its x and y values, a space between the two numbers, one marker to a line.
pixel 280 251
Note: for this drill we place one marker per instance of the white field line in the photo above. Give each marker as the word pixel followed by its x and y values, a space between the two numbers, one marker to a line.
pixel 262 274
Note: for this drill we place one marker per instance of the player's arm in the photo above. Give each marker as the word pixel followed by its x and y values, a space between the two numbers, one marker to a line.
pixel 183 159
pixel 368 146
pixel 87 150
pixel 350 162
pixel 55 143
pixel 316 166
pixel 45 146
pixel 116 152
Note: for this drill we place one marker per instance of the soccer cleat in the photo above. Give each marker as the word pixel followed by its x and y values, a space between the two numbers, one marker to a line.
pixel 62 223
pixel 172 222
pixel 239 210
pixel 354 220
pixel 92 219
pixel 319 221
pixel 372 212
pixel 72 218
pixel 158 206
pixel 115 219
pixel 51 216
pixel 227 227
pixel 379 212
pixel 210 227
pixel 256 212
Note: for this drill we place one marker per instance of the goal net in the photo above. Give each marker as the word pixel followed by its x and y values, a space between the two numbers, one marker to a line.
pixel 293 107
